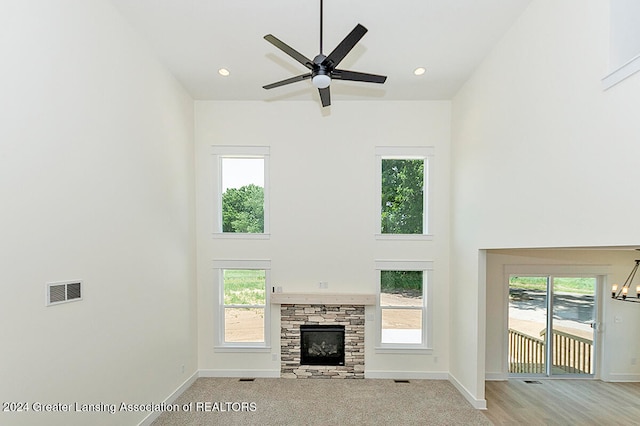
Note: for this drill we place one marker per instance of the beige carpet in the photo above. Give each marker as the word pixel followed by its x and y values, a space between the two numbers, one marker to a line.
pixel 230 401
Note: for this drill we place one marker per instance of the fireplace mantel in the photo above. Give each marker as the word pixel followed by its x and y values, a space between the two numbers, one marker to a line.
pixel 323 299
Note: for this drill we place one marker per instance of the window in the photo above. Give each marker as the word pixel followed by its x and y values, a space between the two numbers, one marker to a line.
pixel 624 41
pixel 241 195
pixel 244 305
pixel 243 314
pixel 403 183
pixel 403 304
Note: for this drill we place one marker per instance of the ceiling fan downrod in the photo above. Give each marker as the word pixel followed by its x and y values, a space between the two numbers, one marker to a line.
pixel 321 14
pixel 320 76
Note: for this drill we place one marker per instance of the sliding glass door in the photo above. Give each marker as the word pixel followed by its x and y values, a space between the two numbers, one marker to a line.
pixel 566 306
pixel 527 323
pixel 572 325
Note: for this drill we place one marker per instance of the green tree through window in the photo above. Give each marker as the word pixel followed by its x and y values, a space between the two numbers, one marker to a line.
pixel 243 209
pixel 402 196
pixel 406 282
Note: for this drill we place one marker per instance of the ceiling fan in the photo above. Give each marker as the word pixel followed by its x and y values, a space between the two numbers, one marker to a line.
pixel 323 68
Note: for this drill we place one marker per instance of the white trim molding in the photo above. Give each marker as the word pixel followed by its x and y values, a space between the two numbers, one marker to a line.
pixel 479 404
pixel 406 375
pixel 241 264
pixel 219 265
pixel 496 377
pixel 147 421
pixel 624 41
pixel 267 374
pixel 616 76
pixel 425 153
pixel 426 267
pixel 323 299
pixel 620 377
pixel 218 153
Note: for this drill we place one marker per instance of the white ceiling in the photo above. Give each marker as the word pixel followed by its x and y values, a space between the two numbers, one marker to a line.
pixel 194 38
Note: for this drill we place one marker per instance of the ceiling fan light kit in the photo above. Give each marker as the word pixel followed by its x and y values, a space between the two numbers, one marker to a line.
pixel 323 68
pixel 321 81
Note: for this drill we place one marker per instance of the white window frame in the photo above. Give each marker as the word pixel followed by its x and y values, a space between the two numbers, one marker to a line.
pixel 219 152
pixel 624 47
pixel 427 283
pixel 220 345
pixel 406 153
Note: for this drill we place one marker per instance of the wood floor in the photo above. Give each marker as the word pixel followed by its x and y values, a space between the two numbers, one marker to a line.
pixel 562 402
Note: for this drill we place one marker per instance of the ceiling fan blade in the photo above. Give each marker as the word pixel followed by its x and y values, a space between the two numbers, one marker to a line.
pixel 358 76
pixel 325 96
pixel 289 51
pixel 288 81
pixel 345 46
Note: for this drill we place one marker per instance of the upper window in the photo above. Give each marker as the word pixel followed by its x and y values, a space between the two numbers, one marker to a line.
pixel 624 41
pixel 403 304
pixel 403 182
pixel 243 313
pixel 241 199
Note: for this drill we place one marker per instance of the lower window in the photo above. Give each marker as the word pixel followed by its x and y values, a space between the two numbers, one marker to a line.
pixel 403 304
pixel 243 308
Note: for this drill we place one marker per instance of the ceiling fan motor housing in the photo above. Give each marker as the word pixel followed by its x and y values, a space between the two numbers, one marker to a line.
pixel 321 73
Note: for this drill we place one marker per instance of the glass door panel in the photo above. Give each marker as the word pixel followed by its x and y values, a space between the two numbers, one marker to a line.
pixel 572 324
pixel 527 324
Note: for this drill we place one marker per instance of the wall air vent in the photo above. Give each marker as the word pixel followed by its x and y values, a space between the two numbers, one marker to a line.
pixel 63 291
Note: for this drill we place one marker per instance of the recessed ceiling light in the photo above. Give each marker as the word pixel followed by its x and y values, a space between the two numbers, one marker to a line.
pixel 419 71
pixel 223 72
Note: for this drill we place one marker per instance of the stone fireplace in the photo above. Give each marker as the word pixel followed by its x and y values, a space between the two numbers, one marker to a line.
pixel 329 312
pixel 349 316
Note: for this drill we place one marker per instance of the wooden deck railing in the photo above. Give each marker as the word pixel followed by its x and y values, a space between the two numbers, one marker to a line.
pixel 571 354
pixel 526 353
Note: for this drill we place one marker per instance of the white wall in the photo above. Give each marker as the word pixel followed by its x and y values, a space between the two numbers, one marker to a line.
pixel 541 156
pixel 322 211
pixel 96 183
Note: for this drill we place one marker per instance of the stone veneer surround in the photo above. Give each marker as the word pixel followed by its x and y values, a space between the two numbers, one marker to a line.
pixel 294 315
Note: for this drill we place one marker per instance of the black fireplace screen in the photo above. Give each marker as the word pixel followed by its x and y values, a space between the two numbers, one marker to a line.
pixel 321 345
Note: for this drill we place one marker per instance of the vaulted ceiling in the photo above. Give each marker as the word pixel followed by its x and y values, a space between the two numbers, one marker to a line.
pixel 195 38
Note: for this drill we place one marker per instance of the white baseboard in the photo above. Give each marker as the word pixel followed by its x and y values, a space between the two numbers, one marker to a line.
pixel 496 377
pixel 240 373
pixel 479 404
pixel 170 399
pixel 405 375
pixel 617 377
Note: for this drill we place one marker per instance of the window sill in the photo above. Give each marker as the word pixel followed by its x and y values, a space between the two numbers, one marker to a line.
pixel 243 348
pixel 621 73
pixel 416 350
pixel 404 237
pixel 238 236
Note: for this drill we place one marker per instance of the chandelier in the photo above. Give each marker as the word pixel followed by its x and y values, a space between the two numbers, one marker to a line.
pixel 623 292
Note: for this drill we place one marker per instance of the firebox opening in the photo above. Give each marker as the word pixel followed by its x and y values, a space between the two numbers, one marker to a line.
pixel 321 345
